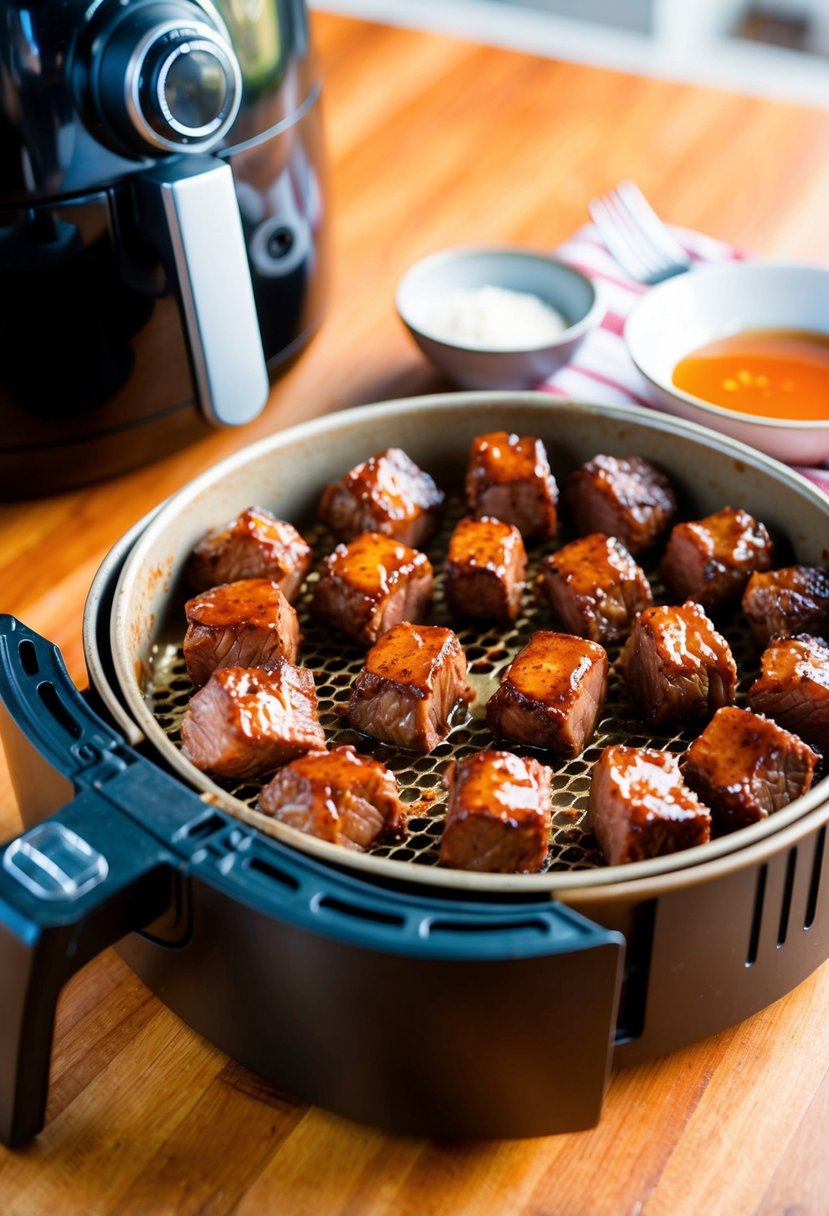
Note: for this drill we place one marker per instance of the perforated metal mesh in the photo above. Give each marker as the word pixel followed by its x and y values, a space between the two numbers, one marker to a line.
pixel 337 661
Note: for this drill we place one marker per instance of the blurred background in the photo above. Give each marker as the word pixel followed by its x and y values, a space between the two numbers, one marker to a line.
pixel 777 48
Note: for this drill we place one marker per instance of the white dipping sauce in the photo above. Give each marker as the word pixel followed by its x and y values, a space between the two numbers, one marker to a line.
pixel 493 318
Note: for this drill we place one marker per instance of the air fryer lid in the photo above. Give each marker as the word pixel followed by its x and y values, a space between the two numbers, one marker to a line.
pixel 286 474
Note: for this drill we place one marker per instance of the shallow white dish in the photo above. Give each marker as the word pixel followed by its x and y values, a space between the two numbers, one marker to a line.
pixel 430 281
pixel 714 302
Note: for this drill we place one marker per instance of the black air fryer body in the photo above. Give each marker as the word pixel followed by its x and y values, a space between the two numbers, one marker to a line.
pixel 161 225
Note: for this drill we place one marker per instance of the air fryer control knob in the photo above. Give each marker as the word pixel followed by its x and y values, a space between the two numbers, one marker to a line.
pixel 167 79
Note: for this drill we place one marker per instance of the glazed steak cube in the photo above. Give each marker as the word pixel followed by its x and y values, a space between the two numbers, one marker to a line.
pixel 551 694
pixel 244 624
pixel 594 587
pixel 625 497
pixel 339 796
pixel 745 767
pixel 639 806
pixel 676 665
pixel 782 603
pixel 485 568
pixel 498 814
pixel 710 560
pixel 247 721
pixel 371 584
pixel 254 545
pixel 413 679
pixel 509 479
pixel 793 687
pixel 387 493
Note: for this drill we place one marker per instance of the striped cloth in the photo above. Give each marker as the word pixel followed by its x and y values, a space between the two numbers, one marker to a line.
pixel 602 370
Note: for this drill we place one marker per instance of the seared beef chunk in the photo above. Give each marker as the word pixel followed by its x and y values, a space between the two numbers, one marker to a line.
pixel 244 624
pixel 509 479
pixel 676 665
pixel 339 796
pixel 710 560
pixel 793 687
pixel 414 677
pixel 639 806
pixel 485 569
pixel 373 583
pixel 594 587
pixel 246 721
pixel 387 493
pixel 745 767
pixel 782 603
pixel 498 814
pixel 254 545
pixel 551 694
pixel 625 497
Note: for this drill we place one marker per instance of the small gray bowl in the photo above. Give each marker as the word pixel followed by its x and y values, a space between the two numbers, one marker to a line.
pixel 553 282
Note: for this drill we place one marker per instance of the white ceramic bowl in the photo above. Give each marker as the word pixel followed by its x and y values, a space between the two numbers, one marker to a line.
pixel 715 302
pixel 563 288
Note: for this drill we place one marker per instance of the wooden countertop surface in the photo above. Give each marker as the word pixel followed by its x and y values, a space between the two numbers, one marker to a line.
pixel 433 141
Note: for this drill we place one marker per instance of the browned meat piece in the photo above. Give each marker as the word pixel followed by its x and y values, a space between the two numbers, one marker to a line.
pixel 498 814
pixel 782 603
pixel 594 587
pixel 339 796
pixel 793 687
pixel 414 677
pixel 254 545
pixel 387 493
pixel 246 721
pixel 485 568
pixel 625 497
pixel 509 479
pixel 745 767
pixel 244 624
pixel 373 583
pixel 710 560
pixel 551 694
pixel 639 806
pixel 676 665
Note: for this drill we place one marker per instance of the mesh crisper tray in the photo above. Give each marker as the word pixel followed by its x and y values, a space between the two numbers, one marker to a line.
pixel 337 661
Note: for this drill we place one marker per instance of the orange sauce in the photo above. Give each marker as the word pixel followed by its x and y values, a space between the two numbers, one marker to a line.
pixel 773 373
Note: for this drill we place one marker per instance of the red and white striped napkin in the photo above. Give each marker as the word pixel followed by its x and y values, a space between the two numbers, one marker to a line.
pixel 602 370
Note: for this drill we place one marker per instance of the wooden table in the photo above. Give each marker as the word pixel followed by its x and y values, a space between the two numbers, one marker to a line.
pixel 433 141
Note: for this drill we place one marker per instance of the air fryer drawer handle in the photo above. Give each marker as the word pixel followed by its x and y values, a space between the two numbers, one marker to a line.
pixel 188 209
pixel 69 888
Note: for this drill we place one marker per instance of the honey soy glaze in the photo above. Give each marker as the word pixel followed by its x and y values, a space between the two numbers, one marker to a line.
pixel 772 373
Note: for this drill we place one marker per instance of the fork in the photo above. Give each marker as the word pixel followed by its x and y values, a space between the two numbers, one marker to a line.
pixel 636 236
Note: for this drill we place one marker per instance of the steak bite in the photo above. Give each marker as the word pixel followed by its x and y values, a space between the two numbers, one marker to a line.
pixel 782 603
pixel 710 560
pixel 498 814
pixel 484 571
pixel 509 479
pixel 676 665
pixel 625 497
pixel 793 687
pixel 639 806
pixel 371 584
pixel 594 587
pixel 745 767
pixel 414 677
pixel 551 694
pixel 254 545
pixel 387 493
pixel 244 624
pixel 247 721
pixel 340 796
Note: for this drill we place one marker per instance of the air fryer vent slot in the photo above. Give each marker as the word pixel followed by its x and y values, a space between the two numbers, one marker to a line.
pixel 814 883
pixel 786 905
pixel 757 916
pixel 28 657
pixel 50 698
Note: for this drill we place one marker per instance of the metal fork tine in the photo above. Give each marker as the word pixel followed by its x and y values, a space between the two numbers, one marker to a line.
pixel 649 222
pixel 616 234
pixel 648 255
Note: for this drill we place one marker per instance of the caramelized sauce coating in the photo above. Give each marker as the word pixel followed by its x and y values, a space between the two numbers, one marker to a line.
pixel 710 560
pixel 509 478
pixel 626 497
pixel 244 624
pixel 793 687
pixel 782 603
pixel 387 493
pixel 485 569
pixel 498 814
pixel 594 587
pixel 254 545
